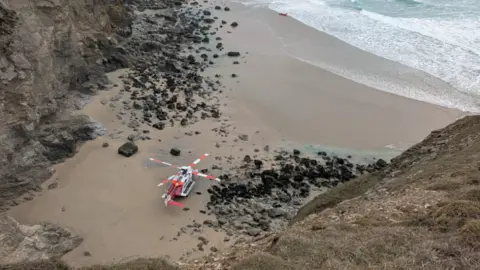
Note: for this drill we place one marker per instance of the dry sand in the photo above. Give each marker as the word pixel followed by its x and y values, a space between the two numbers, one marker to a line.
pixel 114 202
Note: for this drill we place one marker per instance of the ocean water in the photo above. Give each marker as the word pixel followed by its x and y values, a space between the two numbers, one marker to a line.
pixel 439 37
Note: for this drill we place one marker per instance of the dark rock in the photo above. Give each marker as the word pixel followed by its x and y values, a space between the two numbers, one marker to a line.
pixel 276 212
pixel 203 240
pixel 233 54
pixel 253 231
pixel 209 20
pixel 258 163
pixel 128 149
pixel 381 163
pixel 234 24
pixel 53 185
pixel 175 152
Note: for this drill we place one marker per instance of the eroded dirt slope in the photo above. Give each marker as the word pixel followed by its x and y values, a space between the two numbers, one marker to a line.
pixel 421 212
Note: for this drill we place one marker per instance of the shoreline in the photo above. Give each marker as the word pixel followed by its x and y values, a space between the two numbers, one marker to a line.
pixel 394 77
pixel 99 183
pixel 361 105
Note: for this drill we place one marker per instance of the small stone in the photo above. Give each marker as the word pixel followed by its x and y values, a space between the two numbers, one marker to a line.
pixel 381 163
pixel 233 54
pixel 213 249
pixel 253 231
pixel 159 125
pixel 234 24
pixel 276 212
pixel 53 185
pixel 86 253
pixel 243 137
pixel 105 144
pixel 222 221
pixel 203 239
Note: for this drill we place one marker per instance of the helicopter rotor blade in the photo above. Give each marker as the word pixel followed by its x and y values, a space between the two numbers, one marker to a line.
pixel 164 163
pixel 168 179
pixel 213 178
pixel 202 157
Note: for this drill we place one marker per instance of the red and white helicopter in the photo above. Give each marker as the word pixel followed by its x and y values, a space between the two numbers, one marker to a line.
pixel 182 182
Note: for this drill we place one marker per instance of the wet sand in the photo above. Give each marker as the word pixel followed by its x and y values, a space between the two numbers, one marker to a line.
pixel 114 202
pixel 309 104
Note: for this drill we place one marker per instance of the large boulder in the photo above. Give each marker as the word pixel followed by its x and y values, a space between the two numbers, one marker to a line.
pixel 128 149
pixel 22 243
pixel 175 152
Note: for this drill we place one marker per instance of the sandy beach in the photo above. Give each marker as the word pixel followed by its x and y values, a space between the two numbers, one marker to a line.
pixel 277 100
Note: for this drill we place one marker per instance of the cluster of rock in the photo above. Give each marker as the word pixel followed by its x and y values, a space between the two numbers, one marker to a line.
pixel 260 199
pixel 168 50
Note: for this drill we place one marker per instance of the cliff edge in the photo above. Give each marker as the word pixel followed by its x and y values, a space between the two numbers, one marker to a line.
pixel 53 55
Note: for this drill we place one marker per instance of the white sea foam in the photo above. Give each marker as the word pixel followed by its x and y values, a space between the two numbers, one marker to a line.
pixel 445 45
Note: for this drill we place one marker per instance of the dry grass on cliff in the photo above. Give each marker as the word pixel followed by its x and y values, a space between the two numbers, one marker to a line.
pixel 422 212
pixel 138 264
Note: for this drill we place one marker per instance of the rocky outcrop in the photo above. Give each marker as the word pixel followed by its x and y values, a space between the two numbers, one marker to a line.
pixel 53 54
pixel 22 243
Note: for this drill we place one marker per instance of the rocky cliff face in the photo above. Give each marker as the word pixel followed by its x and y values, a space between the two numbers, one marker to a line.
pixel 53 54
pixel 22 243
